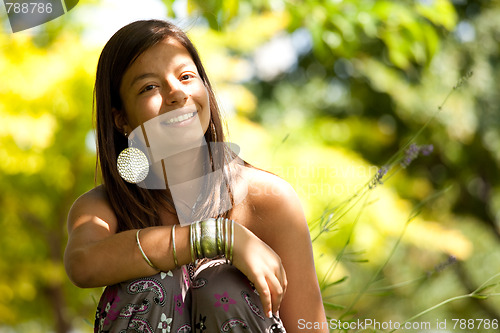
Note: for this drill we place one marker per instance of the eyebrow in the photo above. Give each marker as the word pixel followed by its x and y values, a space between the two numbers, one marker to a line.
pixel 141 77
pixel 147 75
pixel 183 64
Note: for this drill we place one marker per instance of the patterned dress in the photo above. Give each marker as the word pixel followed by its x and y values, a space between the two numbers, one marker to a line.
pixel 212 296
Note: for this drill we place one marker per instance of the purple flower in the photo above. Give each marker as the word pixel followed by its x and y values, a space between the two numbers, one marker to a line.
pixel 426 150
pixel 377 179
pixel 413 151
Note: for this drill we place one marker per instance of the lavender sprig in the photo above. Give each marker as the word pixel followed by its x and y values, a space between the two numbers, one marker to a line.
pixel 409 155
pixel 413 152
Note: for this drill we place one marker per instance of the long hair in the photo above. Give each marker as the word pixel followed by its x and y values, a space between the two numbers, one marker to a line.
pixel 136 207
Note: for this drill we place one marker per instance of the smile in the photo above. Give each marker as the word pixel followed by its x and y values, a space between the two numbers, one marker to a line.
pixel 181 118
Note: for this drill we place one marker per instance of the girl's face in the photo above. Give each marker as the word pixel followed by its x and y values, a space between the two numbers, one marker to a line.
pixel 164 81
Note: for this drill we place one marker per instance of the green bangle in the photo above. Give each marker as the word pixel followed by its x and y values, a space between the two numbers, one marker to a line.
pixel 194 228
pixel 220 236
pixel 191 239
pixel 217 236
pixel 224 233
pixel 197 238
pixel 173 247
pixel 232 243
pixel 226 239
pixel 208 239
pixel 142 251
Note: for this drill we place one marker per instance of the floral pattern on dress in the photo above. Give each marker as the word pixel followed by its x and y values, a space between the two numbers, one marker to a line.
pixel 140 325
pixel 143 305
pixel 199 283
pixel 255 309
pixel 224 300
pixel 164 324
pixel 106 313
pixel 179 303
pixel 186 328
pixel 229 324
pixel 163 275
pixel 148 285
pixel 200 325
pixel 130 309
pixel 276 328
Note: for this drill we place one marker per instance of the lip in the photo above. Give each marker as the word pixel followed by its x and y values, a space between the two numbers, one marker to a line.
pixel 171 118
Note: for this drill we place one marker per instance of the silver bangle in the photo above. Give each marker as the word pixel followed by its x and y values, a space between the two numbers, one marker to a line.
pixel 142 251
pixel 173 247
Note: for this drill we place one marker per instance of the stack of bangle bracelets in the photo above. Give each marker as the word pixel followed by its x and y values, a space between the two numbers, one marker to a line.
pixel 209 238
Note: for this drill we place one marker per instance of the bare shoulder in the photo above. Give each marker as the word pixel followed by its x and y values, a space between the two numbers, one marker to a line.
pixel 92 206
pixel 272 201
pixel 95 197
pixel 266 189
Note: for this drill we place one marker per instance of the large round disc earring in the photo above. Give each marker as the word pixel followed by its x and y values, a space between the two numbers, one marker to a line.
pixel 133 165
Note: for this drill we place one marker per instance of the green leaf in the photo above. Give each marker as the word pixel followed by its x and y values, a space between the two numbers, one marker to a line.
pixel 332 306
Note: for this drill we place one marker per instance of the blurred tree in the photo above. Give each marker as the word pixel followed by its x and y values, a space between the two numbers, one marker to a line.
pixel 46 163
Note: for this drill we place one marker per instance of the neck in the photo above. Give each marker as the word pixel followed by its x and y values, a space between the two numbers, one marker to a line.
pixel 186 166
pixel 186 175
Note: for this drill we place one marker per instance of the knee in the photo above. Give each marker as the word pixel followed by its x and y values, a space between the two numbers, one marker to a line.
pixel 218 284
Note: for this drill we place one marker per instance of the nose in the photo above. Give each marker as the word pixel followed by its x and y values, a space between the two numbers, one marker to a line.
pixel 176 93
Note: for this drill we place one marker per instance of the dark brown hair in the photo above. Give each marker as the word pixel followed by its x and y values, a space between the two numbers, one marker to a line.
pixel 136 207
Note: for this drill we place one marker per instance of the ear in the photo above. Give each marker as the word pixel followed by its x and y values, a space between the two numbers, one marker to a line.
pixel 120 121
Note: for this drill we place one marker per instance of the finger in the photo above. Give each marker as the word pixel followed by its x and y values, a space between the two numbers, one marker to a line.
pixel 284 283
pixel 282 278
pixel 276 293
pixel 265 296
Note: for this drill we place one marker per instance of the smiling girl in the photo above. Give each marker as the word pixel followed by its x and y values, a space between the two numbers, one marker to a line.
pixel 205 241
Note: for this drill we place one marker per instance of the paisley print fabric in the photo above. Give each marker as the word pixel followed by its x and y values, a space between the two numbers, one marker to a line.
pixel 211 296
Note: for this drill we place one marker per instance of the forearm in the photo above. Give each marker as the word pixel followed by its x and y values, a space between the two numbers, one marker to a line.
pixel 117 257
pixel 305 313
pixel 302 302
pixel 95 256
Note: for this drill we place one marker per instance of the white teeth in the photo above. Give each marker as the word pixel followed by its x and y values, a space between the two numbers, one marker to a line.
pixel 182 117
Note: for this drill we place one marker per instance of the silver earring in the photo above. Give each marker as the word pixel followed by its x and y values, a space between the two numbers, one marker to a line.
pixel 133 165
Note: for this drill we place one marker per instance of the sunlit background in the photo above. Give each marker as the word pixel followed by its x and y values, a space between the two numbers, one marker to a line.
pixel 322 93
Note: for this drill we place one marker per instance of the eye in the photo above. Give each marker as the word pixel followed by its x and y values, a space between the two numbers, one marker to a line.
pixel 186 76
pixel 148 88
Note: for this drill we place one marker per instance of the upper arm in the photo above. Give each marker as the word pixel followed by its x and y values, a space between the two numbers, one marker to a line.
pixel 90 220
pixel 92 208
pixel 283 226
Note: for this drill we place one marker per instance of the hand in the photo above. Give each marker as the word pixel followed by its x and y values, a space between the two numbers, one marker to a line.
pixel 262 266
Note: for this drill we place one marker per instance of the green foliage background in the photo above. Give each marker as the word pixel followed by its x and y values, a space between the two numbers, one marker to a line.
pixel 362 78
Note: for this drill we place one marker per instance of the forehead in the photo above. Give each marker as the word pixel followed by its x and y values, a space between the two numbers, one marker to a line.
pixel 163 55
pixel 165 50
